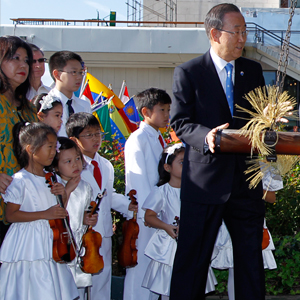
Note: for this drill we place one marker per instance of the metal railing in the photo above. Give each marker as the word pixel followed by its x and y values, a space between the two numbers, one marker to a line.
pixel 95 22
pixel 273 38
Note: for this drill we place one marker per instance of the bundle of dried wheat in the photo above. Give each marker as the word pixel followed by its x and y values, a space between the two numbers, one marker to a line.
pixel 260 166
pixel 270 107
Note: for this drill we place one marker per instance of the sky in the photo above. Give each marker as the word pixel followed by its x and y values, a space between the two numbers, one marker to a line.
pixel 61 9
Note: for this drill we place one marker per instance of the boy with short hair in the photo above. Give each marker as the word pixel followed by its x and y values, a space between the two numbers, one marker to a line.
pixel 142 153
pixel 67 70
pixel 84 129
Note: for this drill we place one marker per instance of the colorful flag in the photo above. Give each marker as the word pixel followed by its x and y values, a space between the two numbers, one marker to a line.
pixel 86 94
pixel 102 114
pixel 124 95
pixel 118 127
pixel 96 87
pixel 131 112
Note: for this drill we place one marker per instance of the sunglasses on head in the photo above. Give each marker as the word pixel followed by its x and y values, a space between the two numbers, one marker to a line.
pixel 40 60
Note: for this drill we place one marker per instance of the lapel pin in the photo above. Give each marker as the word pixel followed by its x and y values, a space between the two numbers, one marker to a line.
pixel 242 73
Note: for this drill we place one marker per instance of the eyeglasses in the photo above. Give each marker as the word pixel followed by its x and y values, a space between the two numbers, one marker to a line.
pixel 236 33
pixel 91 135
pixel 40 60
pixel 74 73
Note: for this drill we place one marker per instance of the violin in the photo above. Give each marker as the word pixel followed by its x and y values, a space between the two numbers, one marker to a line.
pixel 64 245
pixel 127 254
pixel 92 262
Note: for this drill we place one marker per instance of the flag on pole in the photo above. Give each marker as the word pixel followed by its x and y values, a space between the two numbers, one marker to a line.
pixel 118 127
pixel 131 112
pixel 96 87
pixel 86 93
pixel 124 95
pixel 102 114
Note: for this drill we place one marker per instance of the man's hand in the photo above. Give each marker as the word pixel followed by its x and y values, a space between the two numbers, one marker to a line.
pixel 211 136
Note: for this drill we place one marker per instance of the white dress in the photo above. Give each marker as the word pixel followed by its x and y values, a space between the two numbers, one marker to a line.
pixel 28 271
pixel 78 203
pixel 222 257
pixel 165 201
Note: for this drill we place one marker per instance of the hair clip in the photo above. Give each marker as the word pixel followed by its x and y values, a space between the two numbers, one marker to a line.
pixel 171 150
pixel 47 101
pixel 58 146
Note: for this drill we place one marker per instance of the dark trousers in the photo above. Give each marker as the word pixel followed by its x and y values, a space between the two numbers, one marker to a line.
pixel 199 225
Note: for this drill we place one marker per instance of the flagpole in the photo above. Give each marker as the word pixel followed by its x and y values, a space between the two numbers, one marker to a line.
pixel 122 89
pixel 98 97
pixel 130 99
pixel 83 89
pixel 83 83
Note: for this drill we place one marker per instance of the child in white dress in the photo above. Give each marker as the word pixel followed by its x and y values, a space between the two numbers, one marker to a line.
pixel 28 271
pixel 222 257
pixel 164 201
pixel 49 110
pixel 68 164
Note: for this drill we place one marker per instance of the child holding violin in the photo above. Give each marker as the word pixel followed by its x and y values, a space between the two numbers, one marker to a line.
pixel 84 129
pixel 68 164
pixel 222 257
pixel 142 153
pixel 28 271
pixel 164 200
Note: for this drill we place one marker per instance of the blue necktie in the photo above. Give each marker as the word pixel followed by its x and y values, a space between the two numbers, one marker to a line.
pixel 229 87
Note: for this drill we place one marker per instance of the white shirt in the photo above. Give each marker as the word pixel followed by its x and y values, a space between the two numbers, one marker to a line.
pixel 220 67
pixel 142 153
pixel 112 200
pixel 42 89
pixel 79 105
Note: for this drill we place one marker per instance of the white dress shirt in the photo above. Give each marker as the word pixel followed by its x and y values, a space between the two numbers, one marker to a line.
pixel 79 105
pixel 42 89
pixel 220 67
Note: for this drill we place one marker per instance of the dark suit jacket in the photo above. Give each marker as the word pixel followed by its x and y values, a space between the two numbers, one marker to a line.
pixel 199 105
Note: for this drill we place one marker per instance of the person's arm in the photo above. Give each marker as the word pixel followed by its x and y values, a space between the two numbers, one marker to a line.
pixel 270 196
pixel 71 186
pixel 183 110
pixel 90 220
pixel 136 171
pixel 14 214
pixel 153 221
pixel 5 181
pixel 59 189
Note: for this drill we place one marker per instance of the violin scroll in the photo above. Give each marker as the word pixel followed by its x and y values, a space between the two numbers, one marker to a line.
pixel 131 195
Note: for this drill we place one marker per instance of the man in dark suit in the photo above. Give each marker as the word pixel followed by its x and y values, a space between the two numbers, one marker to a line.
pixel 214 186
